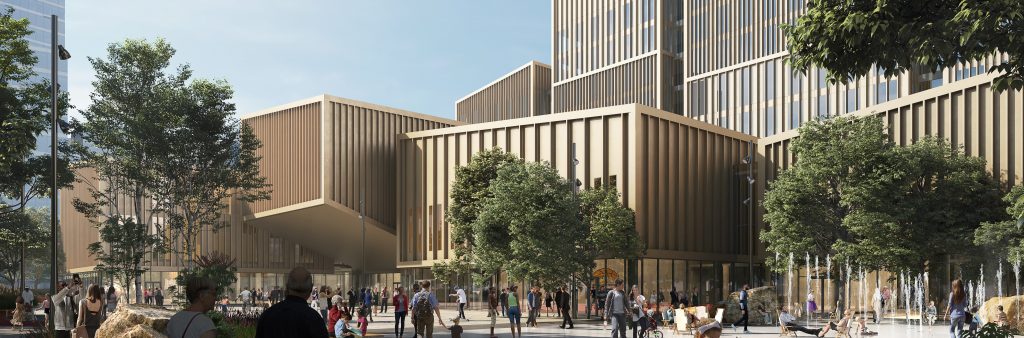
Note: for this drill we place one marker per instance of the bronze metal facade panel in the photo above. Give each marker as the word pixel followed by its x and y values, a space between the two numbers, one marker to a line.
pixel 291 155
pixel 523 92
pixel 627 145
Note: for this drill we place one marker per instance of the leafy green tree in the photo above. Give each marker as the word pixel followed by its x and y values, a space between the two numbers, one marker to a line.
pixel 124 249
pixel 849 38
pixel 529 226
pixel 856 195
pixel 210 160
pixel 1005 238
pixel 611 225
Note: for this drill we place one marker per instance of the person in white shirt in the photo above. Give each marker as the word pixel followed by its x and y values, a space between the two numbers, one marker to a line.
pixel 461 293
pixel 64 306
pixel 245 296
pixel 28 297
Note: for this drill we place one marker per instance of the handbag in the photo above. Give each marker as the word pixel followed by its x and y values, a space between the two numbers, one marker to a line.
pixel 80 332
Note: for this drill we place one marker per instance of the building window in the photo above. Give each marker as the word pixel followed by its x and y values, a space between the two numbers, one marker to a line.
pixel 851 100
pixel 303 256
pixel 769 121
pixel 795 111
pixel 746 122
pixel 597 183
pixel 881 96
pixel 893 93
pixel 769 80
pixel 822 106
pixel 276 250
pixel 612 180
pixel 745 86
pixel 822 82
pixel 723 92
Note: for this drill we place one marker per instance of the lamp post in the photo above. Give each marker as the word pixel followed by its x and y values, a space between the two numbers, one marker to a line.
pixel 575 190
pixel 749 161
pixel 57 51
pixel 362 223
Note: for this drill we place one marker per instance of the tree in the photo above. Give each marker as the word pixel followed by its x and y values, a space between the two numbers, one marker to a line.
pixel 18 232
pixel 857 196
pixel 850 38
pixel 611 225
pixel 211 159
pixel 1005 238
pixel 529 227
pixel 124 249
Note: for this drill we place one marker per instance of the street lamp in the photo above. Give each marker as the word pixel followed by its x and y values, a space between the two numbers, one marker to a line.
pixel 57 51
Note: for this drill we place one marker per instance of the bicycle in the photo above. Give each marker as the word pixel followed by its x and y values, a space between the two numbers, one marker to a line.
pixel 652 329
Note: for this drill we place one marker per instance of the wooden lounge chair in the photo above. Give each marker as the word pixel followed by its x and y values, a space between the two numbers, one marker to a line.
pixel 783 331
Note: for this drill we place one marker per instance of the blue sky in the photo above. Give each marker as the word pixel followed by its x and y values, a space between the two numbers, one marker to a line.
pixel 415 55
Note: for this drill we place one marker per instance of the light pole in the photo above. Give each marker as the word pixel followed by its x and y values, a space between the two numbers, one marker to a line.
pixel 575 190
pixel 362 223
pixel 57 51
pixel 749 161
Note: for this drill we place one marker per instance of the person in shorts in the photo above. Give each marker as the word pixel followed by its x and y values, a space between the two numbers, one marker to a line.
pixel 492 308
pixel 514 314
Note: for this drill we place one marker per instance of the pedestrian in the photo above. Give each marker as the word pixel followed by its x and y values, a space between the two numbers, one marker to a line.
pixel 401 303
pixel 322 303
pixel 292 317
pixel 376 301
pixel 18 318
pixel 352 300
pixel 65 308
pixel 46 310
pixel 533 305
pixel 684 299
pixel 361 323
pixel 601 301
pixel 674 297
pixel 558 302
pixel 28 298
pixel 412 313
pixel 224 305
pixel 333 316
pixel 456 329
pixel 425 308
pixel 694 300
pixel 192 322
pixel 91 310
pixel 615 310
pixel 514 315
pixel 492 308
pixel 812 306
pixel 245 296
pixel 745 313
pixel 159 297
pixel 368 302
pixel 111 299
pixel 564 304
pixel 547 303
pixel 503 300
pixel 639 316
pixel 956 309
pixel 384 299
pixel 461 294
pixel 147 295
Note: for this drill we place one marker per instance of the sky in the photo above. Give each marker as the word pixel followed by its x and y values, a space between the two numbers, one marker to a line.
pixel 414 55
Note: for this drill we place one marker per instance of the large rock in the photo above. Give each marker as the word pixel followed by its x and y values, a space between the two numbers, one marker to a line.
pixel 762 298
pixel 136 321
pixel 1010 306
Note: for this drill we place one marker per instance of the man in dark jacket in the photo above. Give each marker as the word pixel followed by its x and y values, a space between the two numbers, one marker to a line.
pixel 563 304
pixel 293 317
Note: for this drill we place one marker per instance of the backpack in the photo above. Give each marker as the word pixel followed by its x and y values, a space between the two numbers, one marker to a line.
pixel 422 306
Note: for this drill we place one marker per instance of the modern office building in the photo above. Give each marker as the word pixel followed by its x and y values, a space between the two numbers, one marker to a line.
pixel 523 92
pixel 614 52
pixel 685 179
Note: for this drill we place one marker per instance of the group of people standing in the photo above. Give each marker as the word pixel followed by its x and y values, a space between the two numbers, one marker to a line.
pixel 153 296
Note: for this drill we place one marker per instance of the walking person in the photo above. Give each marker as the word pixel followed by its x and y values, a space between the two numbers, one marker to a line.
pixel 547 303
pixel 192 322
pixel 384 300
pixel 245 296
pixel 503 300
pixel 91 310
pixel 514 315
pixel 743 309
pixel 292 317
pixel 639 316
pixel 425 308
pixel 461 294
pixel 376 301
pixel 564 304
pixel 323 303
pixel 558 302
pixel 111 299
pixel 159 297
pixel 956 310
pixel 533 305
pixel 401 303
pixel 352 300
pixel 368 303
pixel 46 310
pixel 601 301
pixel 64 305
pixel 492 308
pixel 615 310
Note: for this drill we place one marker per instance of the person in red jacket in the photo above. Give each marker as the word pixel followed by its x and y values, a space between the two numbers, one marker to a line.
pixel 333 316
pixel 401 303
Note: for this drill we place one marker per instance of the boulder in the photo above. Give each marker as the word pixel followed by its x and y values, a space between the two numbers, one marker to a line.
pixel 136 321
pixel 1010 306
pixel 761 300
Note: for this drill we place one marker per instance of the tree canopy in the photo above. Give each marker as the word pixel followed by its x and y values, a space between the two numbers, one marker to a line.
pixel 856 195
pixel 524 219
pixel 849 38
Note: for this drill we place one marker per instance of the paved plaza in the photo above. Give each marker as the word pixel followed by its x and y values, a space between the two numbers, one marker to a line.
pixel 478 325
